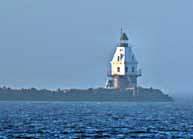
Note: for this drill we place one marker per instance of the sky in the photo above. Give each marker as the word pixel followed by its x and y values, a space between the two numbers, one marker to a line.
pixel 69 43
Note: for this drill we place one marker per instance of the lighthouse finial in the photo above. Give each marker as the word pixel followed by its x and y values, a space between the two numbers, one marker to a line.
pixel 121 30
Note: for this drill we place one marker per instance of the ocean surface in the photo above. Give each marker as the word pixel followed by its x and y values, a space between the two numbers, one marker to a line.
pixel 87 120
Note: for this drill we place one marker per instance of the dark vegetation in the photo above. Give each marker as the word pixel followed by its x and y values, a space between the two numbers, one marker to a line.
pixel 98 94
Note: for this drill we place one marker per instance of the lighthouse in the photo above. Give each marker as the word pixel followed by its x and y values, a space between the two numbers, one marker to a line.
pixel 124 70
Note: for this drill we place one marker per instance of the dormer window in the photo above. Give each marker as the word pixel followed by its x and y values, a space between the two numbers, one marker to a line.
pixel 121 56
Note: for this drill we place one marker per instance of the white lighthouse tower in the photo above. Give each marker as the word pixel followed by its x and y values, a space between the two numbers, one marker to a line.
pixel 124 71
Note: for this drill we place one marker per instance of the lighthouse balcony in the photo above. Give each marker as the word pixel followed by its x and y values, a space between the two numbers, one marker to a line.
pixel 135 73
pixel 109 73
pixel 129 73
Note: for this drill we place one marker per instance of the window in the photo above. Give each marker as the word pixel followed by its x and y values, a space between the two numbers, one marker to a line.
pixel 121 56
pixel 118 58
pixel 126 69
pixel 118 69
pixel 132 57
pixel 133 69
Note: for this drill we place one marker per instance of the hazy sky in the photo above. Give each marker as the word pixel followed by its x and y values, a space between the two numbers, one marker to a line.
pixel 68 43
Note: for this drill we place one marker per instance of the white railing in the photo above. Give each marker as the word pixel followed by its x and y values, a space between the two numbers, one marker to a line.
pixel 138 72
pixel 109 73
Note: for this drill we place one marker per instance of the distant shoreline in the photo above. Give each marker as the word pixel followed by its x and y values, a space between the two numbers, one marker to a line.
pixel 98 94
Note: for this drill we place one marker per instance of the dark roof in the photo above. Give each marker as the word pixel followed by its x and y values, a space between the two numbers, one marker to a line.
pixel 124 36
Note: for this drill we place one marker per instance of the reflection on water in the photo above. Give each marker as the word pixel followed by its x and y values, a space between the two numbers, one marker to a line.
pixel 95 120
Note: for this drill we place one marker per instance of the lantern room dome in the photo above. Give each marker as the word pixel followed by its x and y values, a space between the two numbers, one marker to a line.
pixel 123 36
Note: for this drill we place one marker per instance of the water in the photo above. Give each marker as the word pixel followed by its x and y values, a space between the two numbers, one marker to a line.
pixel 75 120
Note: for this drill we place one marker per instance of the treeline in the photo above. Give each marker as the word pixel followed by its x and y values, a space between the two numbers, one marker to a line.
pixel 5 89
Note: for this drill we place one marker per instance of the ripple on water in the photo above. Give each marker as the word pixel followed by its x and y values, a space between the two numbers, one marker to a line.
pixel 95 120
